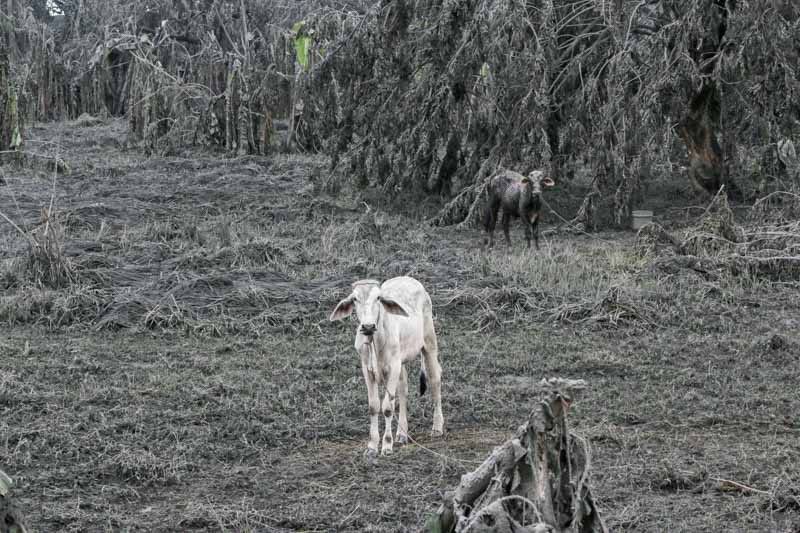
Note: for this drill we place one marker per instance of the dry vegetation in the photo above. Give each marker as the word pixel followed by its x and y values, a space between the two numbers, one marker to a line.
pixel 187 377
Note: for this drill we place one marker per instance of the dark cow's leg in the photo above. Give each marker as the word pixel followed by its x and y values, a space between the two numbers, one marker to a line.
pixel 490 221
pixel 535 231
pixel 528 230
pixel 506 227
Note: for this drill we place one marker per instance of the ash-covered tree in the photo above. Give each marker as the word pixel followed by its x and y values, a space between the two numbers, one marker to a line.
pixel 432 96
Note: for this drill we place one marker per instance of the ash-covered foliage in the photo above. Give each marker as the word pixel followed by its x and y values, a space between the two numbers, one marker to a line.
pixel 182 72
pixel 434 95
pixel 431 96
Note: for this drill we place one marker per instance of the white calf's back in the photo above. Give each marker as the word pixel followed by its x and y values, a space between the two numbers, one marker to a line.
pixel 409 292
pixel 407 334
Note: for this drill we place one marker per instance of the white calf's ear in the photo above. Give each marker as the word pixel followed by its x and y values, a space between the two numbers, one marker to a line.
pixel 547 182
pixel 343 309
pixel 392 306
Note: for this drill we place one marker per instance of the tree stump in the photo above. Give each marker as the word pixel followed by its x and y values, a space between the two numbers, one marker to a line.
pixel 535 482
pixel 10 517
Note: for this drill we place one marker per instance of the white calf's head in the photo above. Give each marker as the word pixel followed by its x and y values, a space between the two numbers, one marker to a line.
pixel 369 304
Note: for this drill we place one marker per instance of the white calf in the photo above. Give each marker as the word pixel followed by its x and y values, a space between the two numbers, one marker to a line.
pixel 396 325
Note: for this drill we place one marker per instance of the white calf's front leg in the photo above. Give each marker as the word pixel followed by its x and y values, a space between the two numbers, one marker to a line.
pixel 402 416
pixel 392 380
pixel 374 402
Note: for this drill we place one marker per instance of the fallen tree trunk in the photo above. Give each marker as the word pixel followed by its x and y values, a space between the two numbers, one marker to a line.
pixel 535 482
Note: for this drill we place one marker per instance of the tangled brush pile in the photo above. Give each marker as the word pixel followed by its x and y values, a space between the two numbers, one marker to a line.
pixel 767 245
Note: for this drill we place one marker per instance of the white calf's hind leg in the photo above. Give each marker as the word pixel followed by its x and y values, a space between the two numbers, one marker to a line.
pixel 431 354
pixel 402 415
pixel 388 404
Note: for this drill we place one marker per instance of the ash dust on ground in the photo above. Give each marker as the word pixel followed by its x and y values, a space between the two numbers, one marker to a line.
pixel 187 377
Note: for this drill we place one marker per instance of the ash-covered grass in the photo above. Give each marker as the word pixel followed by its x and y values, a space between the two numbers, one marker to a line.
pixel 187 377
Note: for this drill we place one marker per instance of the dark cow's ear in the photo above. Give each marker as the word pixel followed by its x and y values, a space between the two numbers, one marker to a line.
pixel 547 182
pixel 343 309
pixel 392 306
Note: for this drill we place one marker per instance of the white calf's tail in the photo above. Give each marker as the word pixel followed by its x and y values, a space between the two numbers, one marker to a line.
pixel 423 377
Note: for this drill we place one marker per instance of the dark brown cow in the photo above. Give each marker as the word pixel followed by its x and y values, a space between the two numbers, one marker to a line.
pixel 520 197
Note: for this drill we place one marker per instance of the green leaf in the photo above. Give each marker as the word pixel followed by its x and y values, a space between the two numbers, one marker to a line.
pixel 485 70
pixel 16 138
pixel 298 26
pixel 433 525
pixel 5 484
pixel 301 46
